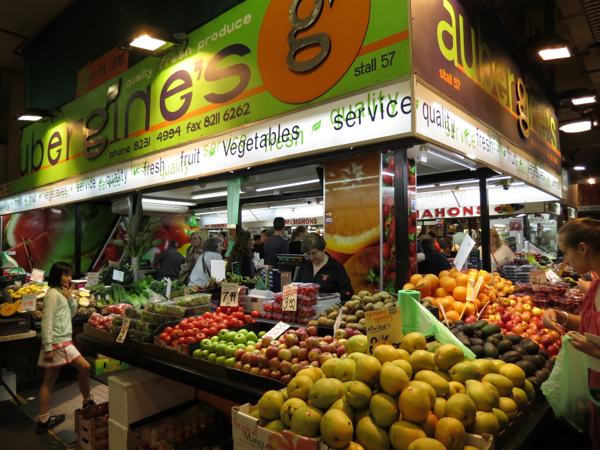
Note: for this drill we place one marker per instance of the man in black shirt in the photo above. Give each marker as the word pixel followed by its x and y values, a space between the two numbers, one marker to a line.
pixel 276 244
pixel 434 262
pixel 169 262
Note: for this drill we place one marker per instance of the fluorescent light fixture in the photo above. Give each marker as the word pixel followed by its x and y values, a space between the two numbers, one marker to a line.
pixel 458 182
pixel 29 118
pixel 210 212
pixel 519 183
pixel 521 215
pixel 576 127
pixel 281 186
pixel 555 53
pixel 583 100
pixel 288 206
pixel 147 43
pixel 451 160
pixel 579 168
pixel 591 180
pixel 499 225
pixel 426 186
pixel 469 188
pixel 34 115
pixel 155 201
pixel 500 178
pixel 210 195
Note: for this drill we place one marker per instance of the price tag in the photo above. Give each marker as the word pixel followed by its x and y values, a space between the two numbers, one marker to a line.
pixel 384 325
pixel 37 275
pixel 98 297
pixel 552 277
pixel 118 275
pixel 338 321
pixel 92 278
pixel 290 298
pixel 277 330
pixel 538 279
pixel 168 291
pixel 124 330
pixel 229 294
pixel 28 302
pixel 107 298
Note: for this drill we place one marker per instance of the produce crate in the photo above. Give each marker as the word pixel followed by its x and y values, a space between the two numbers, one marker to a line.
pixel 15 325
pixel 9 280
pixel 516 425
pixel 91 427
pixel 104 364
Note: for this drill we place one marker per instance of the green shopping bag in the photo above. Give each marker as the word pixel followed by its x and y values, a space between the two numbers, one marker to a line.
pixel 567 387
pixel 415 317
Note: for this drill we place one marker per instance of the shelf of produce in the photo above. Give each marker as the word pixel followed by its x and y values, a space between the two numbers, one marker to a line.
pixel 222 387
pixel 76 322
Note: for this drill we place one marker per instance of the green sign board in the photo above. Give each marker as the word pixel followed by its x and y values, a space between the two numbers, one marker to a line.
pixel 258 60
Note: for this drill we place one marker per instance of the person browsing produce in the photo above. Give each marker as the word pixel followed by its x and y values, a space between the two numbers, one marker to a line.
pixel 201 274
pixel 501 254
pixel 434 261
pixel 57 346
pixel 169 262
pixel 579 240
pixel 192 254
pixel 325 270
pixel 243 253
pixel 296 241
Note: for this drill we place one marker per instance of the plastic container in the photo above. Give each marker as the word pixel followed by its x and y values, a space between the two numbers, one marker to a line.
pixel 193 300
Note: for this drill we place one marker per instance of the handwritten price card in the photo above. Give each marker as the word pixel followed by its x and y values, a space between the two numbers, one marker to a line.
pixel 277 330
pixel 124 330
pixel 229 294
pixel 37 275
pixel 28 302
pixel 384 325
pixel 538 279
pixel 290 298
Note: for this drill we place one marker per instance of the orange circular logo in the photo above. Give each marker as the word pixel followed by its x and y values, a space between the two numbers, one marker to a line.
pixel 306 46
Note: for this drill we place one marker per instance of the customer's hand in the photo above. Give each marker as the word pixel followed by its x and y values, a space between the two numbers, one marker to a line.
pixel 49 356
pixel 580 343
pixel 550 319
pixel 583 285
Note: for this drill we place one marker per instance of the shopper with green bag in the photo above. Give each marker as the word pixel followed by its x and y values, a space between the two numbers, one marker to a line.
pixel 579 240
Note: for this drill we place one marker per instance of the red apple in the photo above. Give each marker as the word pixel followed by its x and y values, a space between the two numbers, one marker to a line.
pixel 265 373
pixel 315 364
pixel 285 379
pixel 302 354
pixel 341 333
pixel 291 340
pixel 255 370
pixel 349 332
pixel 295 349
pixel 518 329
pixel 526 316
pixel 313 354
pixel 312 331
pixel 325 347
pixel 328 339
pixel 245 358
pixel 263 361
pixel 509 325
pixel 341 350
pixel 276 375
pixel 312 342
pixel 519 307
pixel 285 367
pixel 296 368
pixel 273 364
pixel 552 350
pixel 272 352
pixel 246 368
pixel 239 353
pixel 324 357
pixel 537 312
pixel 253 359
pixel 238 365
pixel 284 355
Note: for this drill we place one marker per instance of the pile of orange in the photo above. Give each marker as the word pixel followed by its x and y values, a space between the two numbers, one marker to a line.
pixel 449 289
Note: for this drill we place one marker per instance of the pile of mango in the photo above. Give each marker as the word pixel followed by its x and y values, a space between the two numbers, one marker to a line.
pixel 407 398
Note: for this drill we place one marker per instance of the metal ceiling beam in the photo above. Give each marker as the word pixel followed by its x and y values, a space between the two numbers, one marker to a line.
pixel 459 175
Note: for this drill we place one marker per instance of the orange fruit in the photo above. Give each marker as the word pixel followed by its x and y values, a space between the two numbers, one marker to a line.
pixel 423 285
pixel 429 299
pixel 416 278
pixel 477 303
pixel 449 284
pixel 460 293
pixel 458 307
pixel 487 277
pixel 462 279
pixel 444 273
pixel 440 292
pixel 492 296
pixel 483 298
pixel 433 280
pixel 408 287
pixel 452 315
pixel 446 302
pixel 470 309
pixel 425 293
pixel 453 270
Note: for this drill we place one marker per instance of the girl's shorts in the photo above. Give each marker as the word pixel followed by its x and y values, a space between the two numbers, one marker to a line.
pixel 64 354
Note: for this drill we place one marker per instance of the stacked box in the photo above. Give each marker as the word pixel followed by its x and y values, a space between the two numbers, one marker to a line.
pixel 91 427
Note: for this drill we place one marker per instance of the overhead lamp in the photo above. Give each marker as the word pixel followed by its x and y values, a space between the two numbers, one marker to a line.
pixel 155 201
pixel 34 115
pixel 281 186
pixel 576 127
pixel 426 186
pixel 209 212
pixel 211 195
pixel 519 183
pixel 500 178
pixel 579 168
pixel 458 182
pixel 154 40
pixel 288 206
pixel 583 100
pixel 591 180
pixel 553 47
pixel 451 160
pixel 521 215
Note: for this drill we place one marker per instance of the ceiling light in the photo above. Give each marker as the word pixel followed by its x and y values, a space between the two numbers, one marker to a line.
pixel 147 43
pixel 34 115
pixel 451 160
pixel 521 215
pixel 210 195
pixel 458 182
pixel 591 180
pixel 426 186
pixel 583 100
pixel 288 206
pixel 155 40
pixel 576 127
pixel 500 178
pixel 281 186
pixel 550 54
pixel 155 201
pixel 579 168
pixel 519 183
pixel 209 212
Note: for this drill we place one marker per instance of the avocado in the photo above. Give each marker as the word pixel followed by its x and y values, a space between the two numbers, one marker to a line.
pixel 511 357
pixel 535 360
pixel 528 367
pixel 537 382
pixel 469 329
pixel 478 350
pixel 493 340
pixel 541 375
pixel 479 334
pixel 465 341
pixel 459 322
pixel 476 341
pixel 521 350
pixel 498 336
pixel 541 359
pixel 480 324
pixel 514 338
pixel 490 329
pixel 529 345
pixel 505 346
pixel 490 350
pixel 544 354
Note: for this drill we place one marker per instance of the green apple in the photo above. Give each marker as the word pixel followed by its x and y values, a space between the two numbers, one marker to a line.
pixel 251 336
pixel 239 338
pixel 230 362
pixel 212 357
pixel 230 350
pixel 197 353
pixel 205 344
pixel 231 336
pixel 250 342
pixel 223 334
pixel 250 349
pixel 221 359
pixel 261 334
pixel 204 354
pixel 242 346
pixel 215 338
pixel 212 346
pixel 220 350
pixel 243 331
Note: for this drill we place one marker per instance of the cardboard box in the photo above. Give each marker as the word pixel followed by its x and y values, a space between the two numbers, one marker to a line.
pixel 117 435
pixel 483 442
pixel 247 435
pixel 104 364
pixel 256 299
pixel 91 427
pixel 209 436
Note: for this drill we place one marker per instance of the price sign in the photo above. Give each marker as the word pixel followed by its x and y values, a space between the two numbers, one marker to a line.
pixel 37 275
pixel 277 330
pixel 169 283
pixel 538 279
pixel 552 277
pixel 229 294
pixel 338 321
pixel 28 302
pixel 92 278
pixel 290 298
pixel 118 275
pixel 124 330
pixel 107 298
pixel 384 325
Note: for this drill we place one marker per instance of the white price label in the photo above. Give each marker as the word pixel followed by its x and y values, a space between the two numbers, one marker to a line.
pixel 169 284
pixel 28 302
pixel 290 298
pixel 92 278
pixel 277 330
pixel 538 279
pixel 552 277
pixel 229 294
pixel 118 275
pixel 384 325
pixel 124 330
pixel 37 275
pixel 107 298
pixel 338 321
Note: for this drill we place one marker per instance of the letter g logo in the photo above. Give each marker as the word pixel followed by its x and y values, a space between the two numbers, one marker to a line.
pixel 306 46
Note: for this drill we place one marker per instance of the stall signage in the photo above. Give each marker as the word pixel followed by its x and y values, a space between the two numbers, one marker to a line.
pixel 233 71
pixel 380 114
pixel 384 326
pixel 538 279
pixel 441 122
pixel 92 278
pixel 100 71
pixel 465 211
pixel 290 298
pixel 229 294
pixel 37 275
pixel 304 221
pixel 461 55
pixel 124 329
pixel 118 275
pixel 277 330
pixel 28 302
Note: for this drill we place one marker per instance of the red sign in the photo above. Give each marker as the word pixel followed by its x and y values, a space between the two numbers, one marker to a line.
pixel 465 211
pixel 305 221
pixel 102 70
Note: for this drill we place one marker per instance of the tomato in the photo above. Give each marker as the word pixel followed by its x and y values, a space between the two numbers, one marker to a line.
pixel 168 330
pixel 220 309
pixel 189 340
pixel 201 337
pixel 210 332
pixel 188 333
pixel 189 326
pixel 207 315
pixel 168 340
pixel 238 315
pixel 195 330
pixel 162 336
pixel 248 318
pixel 180 341
pixel 234 323
pixel 255 314
pixel 219 327
pixel 241 309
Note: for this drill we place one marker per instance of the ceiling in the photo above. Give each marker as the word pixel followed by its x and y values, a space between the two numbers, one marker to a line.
pixel 577 21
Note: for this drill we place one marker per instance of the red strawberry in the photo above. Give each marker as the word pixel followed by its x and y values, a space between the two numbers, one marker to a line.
pixel 388 177
pixel 386 251
pixel 391 165
pixel 388 207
